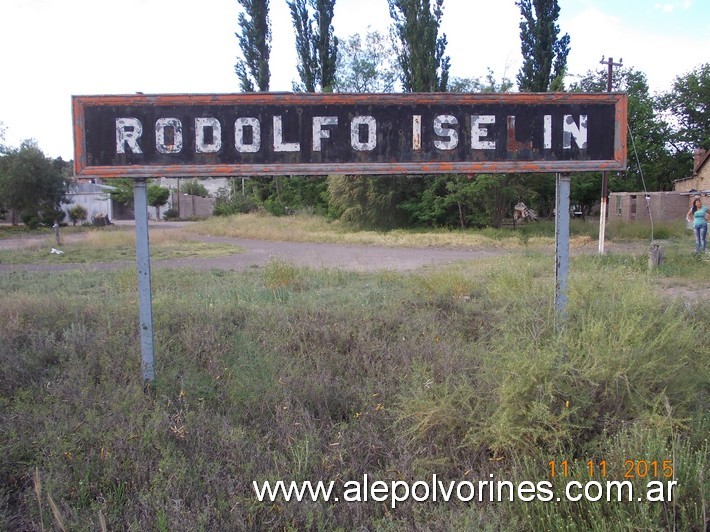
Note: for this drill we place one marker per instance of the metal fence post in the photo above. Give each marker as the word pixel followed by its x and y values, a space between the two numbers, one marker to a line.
pixel 145 301
pixel 562 204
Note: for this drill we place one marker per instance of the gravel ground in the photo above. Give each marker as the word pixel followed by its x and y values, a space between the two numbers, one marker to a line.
pixel 257 253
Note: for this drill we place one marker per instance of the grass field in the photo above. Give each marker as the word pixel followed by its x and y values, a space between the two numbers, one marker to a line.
pixel 115 244
pixel 288 374
pixel 305 228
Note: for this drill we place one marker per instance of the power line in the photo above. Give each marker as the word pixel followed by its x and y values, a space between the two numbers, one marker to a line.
pixel 605 192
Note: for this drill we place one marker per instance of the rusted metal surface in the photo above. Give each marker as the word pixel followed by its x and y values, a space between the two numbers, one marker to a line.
pixel 316 134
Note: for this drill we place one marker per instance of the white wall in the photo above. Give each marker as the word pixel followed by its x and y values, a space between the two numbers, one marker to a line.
pixel 94 203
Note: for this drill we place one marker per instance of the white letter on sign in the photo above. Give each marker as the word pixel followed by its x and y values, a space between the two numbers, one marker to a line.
pixel 128 131
pixel 477 132
pixel 371 124
pixel 239 125
pixel 200 145
pixel 570 129
pixel 160 125
pixel 417 132
pixel 547 132
pixel 451 134
pixel 279 144
pixel 319 133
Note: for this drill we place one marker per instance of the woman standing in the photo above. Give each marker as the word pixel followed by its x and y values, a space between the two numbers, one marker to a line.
pixel 699 215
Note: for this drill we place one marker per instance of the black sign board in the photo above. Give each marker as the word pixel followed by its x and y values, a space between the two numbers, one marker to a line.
pixel 316 134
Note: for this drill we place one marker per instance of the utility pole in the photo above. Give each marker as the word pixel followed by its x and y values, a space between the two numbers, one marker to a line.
pixel 605 192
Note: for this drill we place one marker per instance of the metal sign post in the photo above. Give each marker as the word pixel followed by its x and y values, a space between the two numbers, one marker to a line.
pixel 562 194
pixel 145 303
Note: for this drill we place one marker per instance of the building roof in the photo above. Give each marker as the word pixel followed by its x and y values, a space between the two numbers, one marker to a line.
pixel 700 161
pixel 90 188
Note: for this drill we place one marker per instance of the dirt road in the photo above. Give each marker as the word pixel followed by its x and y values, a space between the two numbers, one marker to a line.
pixel 257 253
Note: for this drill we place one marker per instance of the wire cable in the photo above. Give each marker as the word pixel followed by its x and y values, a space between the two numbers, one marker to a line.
pixel 643 181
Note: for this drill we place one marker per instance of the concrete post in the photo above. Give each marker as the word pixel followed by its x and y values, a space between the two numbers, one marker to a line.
pixel 562 204
pixel 145 300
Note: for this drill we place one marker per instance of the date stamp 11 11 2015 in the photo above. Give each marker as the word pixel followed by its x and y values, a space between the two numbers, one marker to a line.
pixel 630 469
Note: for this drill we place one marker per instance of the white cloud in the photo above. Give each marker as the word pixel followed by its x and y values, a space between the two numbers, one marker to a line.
pixel 661 57
pixel 670 7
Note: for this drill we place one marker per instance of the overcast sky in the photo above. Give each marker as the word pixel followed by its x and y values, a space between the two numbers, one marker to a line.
pixel 52 49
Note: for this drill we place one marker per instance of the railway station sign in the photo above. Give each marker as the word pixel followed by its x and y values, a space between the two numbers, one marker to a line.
pixel 316 134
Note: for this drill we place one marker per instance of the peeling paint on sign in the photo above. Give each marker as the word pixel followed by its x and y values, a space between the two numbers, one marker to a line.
pixel 262 133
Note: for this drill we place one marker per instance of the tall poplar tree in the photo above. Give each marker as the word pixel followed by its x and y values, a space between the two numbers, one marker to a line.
pixel 326 43
pixel 255 43
pixel 543 69
pixel 316 46
pixel 420 49
pixel 544 52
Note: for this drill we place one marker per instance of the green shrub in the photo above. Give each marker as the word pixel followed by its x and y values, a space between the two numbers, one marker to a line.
pixel 77 214
pixel 30 220
pixel 50 217
pixel 275 207
pixel 171 214
pixel 226 205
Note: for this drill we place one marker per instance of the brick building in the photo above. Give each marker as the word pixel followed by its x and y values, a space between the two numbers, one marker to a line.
pixel 663 206
pixel 640 206
pixel 700 180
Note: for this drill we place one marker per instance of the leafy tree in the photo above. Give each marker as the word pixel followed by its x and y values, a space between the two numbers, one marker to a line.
pixel 157 197
pixel 32 184
pixel 194 188
pixel 123 191
pixel 372 202
pixel 488 84
pixel 316 46
pixel 3 129
pixel 280 195
pixel 494 195
pixel 544 54
pixel 255 43
pixel 649 159
pixel 365 67
pixel 689 103
pixel 420 50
